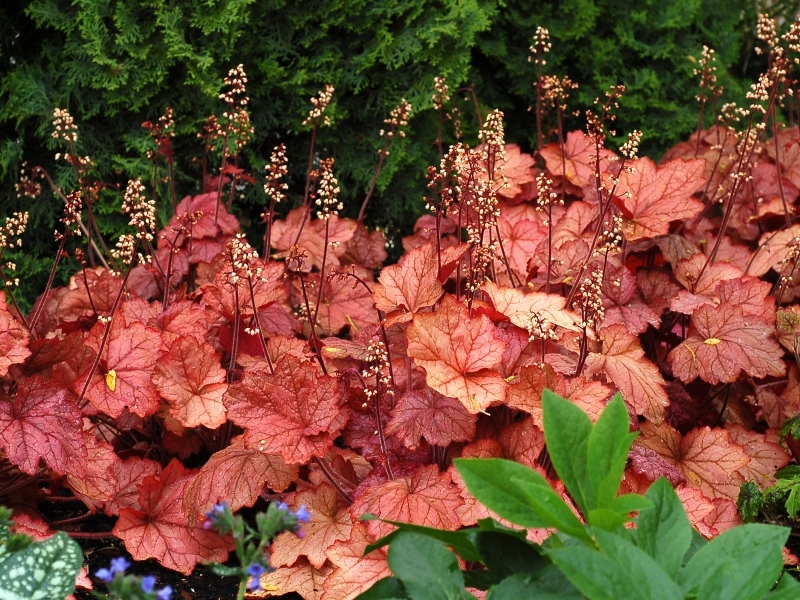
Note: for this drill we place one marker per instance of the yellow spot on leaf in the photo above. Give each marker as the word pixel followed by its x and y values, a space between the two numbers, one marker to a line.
pixel 712 341
pixel 111 380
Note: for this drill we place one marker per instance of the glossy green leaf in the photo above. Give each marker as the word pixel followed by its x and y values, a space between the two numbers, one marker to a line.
pixel 518 494
pixel 504 555
pixel 428 570
pixel 459 541
pixel 742 563
pixel 566 432
pixel 664 531
pixel 553 586
pixel 388 588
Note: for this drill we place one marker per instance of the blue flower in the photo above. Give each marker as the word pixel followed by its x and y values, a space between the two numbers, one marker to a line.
pixel 255 571
pixel 283 506
pixel 119 565
pixel 164 593
pixel 303 515
pixel 104 575
pixel 148 584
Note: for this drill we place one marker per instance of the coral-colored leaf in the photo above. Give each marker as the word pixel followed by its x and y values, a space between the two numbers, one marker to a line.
pixel 698 507
pixel 458 352
pixel 329 522
pixel 622 360
pixel 521 237
pixel 522 441
pixel 42 422
pixel 623 303
pixel 131 352
pixel 129 475
pixel 411 284
pixel 520 307
pixel 161 528
pixel 526 391
pixel 426 498
pixel 295 413
pixel 651 465
pixel 13 339
pixel 237 475
pixel 579 158
pixel 724 516
pixel 655 196
pixel 766 456
pixel 190 378
pixel 346 302
pixel 302 578
pixel 427 414
pixel 707 457
pixel 312 238
pixel 773 248
pixel 100 483
pixel 355 572
pixel 723 342
pixel 366 249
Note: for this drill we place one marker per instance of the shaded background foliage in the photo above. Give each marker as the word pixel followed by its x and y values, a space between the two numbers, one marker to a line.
pixel 117 63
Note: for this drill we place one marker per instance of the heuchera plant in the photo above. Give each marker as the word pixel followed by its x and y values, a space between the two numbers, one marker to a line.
pixel 179 368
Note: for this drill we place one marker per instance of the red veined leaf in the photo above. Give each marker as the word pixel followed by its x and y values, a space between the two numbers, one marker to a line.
pixel 295 413
pixel 329 522
pixel 724 341
pixel 656 196
pixel 458 353
pixel 517 182
pixel 427 414
pixel 579 158
pixel 312 239
pixel 208 225
pixel 787 152
pixel 521 237
pixel 222 295
pixel 706 457
pixel 426 498
pixel 129 475
pixel 519 307
pixel 42 422
pixel 302 579
pixel 698 506
pixel 13 339
pixel 130 353
pixel 766 456
pixel 237 475
pixel 525 393
pixel 690 274
pixel 522 441
pixel 354 573
pixel 366 248
pixel 345 302
pixel 567 261
pixel 657 288
pixel 724 516
pixel 161 529
pixel 99 484
pixel 425 231
pixel 651 465
pixel 190 378
pixel 622 302
pixel 622 360
pixel 410 284
pixel 773 249
pixel 184 318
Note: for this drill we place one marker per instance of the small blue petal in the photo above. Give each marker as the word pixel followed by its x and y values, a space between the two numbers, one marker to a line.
pixel 119 565
pixel 255 570
pixel 164 593
pixel 283 506
pixel 148 584
pixel 303 515
pixel 104 575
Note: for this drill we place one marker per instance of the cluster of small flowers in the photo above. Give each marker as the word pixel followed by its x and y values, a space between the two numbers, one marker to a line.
pixel 546 197
pixel 128 587
pixel 163 129
pixel 239 257
pixel 28 185
pixel 595 126
pixel 445 181
pixel 707 71
pixel 398 118
pixel 14 228
pixel 236 82
pixel 320 103
pixel 141 210
pixel 377 360
pixel 540 327
pixel 276 171
pixel 327 191
pixel 556 91
pixel 792 40
pixel 482 256
pixel 759 93
pixel 124 251
pixel 589 300
pixel 65 128
pixel 72 214
pixel 610 240
pixel 766 32
pixel 441 93
pixel 541 45
pixel 630 149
